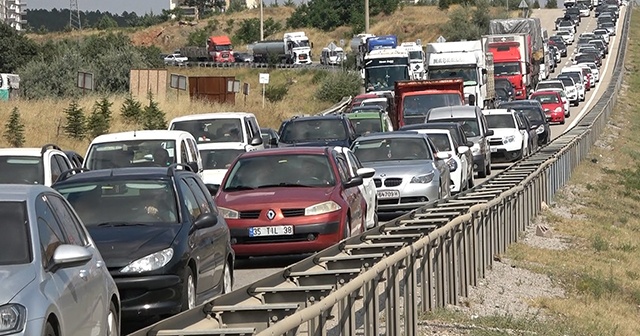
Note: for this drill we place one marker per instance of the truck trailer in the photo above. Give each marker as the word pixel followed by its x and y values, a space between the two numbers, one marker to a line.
pixel 294 48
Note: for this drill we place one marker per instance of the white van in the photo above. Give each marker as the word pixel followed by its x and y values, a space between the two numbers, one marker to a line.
pixel 238 127
pixel 154 148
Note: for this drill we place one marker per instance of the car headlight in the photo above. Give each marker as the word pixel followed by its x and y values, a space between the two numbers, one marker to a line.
pixel 228 213
pixel 540 129
pixel 12 318
pixel 149 263
pixel 425 178
pixel 558 109
pixel 475 149
pixel 453 165
pixel 322 208
pixel 508 139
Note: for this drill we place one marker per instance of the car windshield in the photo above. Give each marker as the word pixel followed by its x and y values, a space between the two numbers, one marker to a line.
pixel 384 78
pixel 284 170
pixel 415 55
pixel 506 69
pixel 469 126
pixel 441 141
pixel 500 121
pixel 15 241
pixel 502 93
pixel 546 98
pixel 21 170
pixel 131 153
pixel 366 126
pixel 212 130
pixel 421 104
pixel 468 75
pixel 392 149
pixel 313 130
pixel 219 158
pixel 531 112
pixel 122 202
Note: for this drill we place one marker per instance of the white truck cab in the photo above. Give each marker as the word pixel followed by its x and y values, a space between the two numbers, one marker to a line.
pixel 416 59
pixel 217 157
pixel 149 148
pixel 33 165
pixel 226 127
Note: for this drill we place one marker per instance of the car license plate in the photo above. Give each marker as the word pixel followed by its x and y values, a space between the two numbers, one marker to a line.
pixel 263 231
pixel 493 149
pixel 388 194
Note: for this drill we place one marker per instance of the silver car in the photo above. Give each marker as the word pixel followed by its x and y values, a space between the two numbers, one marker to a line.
pixel 408 174
pixel 54 281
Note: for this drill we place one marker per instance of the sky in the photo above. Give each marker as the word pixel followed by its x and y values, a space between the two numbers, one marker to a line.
pixel 113 6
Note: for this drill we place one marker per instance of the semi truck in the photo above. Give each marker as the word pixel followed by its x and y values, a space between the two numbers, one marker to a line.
pixel 294 48
pixel 358 46
pixel 413 99
pixel 382 42
pixel 518 50
pixel 470 61
pixel 384 67
pixel 416 59
pixel 218 49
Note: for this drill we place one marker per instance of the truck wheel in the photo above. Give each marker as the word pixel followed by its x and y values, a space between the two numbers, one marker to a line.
pixel 483 172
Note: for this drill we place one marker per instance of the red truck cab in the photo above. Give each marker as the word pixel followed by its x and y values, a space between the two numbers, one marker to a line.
pixel 507 64
pixel 220 49
pixel 413 99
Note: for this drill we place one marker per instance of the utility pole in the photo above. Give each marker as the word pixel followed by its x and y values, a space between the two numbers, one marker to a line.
pixel 262 21
pixel 366 16
pixel 74 15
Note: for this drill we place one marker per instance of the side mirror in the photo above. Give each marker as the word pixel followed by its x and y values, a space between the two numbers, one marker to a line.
pixel 443 156
pixel 354 182
pixel 463 149
pixel 256 141
pixel 194 166
pixel 366 172
pixel 490 133
pixel 273 142
pixel 469 144
pixel 213 189
pixel 206 220
pixel 70 256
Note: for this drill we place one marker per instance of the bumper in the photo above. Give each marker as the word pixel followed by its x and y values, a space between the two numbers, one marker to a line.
pixel 556 116
pixel 412 196
pixel 478 162
pixel 457 180
pixel 150 295
pixel 307 237
pixel 504 155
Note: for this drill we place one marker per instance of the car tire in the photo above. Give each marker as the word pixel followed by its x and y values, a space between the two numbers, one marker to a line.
pixel 562 122
pixel 346 232
pixel 482 173
pixel 227 279
pixel 568 114
pixel 49 330
pixel 113 321
pixel 488 168
pixel 188 290
pixel 471 183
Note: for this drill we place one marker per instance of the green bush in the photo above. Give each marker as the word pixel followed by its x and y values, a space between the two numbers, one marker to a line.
pixel 99 120
pixel 319 76
pixel 14 129
pixel 276 93
pixel 75 126
pixel 339 84
pixel 131 110
pixel 153 117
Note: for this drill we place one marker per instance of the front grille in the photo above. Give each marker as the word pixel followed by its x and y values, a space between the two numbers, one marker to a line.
pixel 392 182
pixel 378 183
pixel 250 214
pixel 292 212
pixel 495 142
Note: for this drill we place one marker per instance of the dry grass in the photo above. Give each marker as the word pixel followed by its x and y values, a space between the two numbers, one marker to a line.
pixel 43 119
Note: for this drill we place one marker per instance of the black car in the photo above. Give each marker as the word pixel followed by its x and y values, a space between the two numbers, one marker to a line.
pixel 535 113
pixel 601 46
pixel 502 96
pixel 75 158
pixel 242 57
pixel 269 137
pixel 588 56
pixel 574 14
pixel 159 232
pixel 328 130
pixel 505 84
pixel 558 42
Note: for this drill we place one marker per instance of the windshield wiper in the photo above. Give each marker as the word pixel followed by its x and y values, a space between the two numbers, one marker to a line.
pixel 240 187
pixel 284 184
pixel 122 224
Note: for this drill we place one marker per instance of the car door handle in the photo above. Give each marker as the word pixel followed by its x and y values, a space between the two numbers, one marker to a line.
pixel 84 274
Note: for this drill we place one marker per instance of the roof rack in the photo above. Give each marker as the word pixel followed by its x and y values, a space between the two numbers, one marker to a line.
pixel 173 167
pixel 68 173
pixel 49 146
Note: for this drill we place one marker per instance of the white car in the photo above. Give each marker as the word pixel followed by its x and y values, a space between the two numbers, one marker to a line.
pixel 594 70
pixel 566 35
pixel 571 90
pixel 510 140
pixel 216 159
pixel 604 33
pixel 580 83
pixel 175 59
pixel 33 165
pixel 461 168
pixel 585 11
pixel 367 188
pixel 592 78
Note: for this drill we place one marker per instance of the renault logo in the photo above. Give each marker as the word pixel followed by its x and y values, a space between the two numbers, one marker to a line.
pixel 271 214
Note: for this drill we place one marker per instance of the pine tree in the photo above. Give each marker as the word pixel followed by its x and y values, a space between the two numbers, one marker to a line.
pixel 536 4
pixel 75 126
pixel 14 129
pixel 551 4
pixel 131 110
pixel 154 118
pixel 100 118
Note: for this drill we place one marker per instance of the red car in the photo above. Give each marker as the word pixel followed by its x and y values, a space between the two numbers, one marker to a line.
pixel 290 200
pixel 551 102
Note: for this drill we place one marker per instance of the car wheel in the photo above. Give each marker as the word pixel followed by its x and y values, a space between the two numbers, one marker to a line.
pixel 49 330
pixel 346 232
pixel 375 220
pixel 471 182
pixel 482 172
pixel 188 290
pixel 488 169
pixel 113 323
pixel 562 122
pixel 227 279
pixel 568 114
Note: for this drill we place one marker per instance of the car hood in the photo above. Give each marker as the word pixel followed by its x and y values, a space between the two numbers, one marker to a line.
pixel 286 197
pixel 213 176
pixel 121 245
pixel 13 279
pixel 315 143
pixel 400 168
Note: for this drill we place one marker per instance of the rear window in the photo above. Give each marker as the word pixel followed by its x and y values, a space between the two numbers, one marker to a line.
pixel 212 130
pixel 134 153
pixel 21 170
pixel 546 98
pixel 15 241
pixel 313 130
pixel 365 126
pixel 392 149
